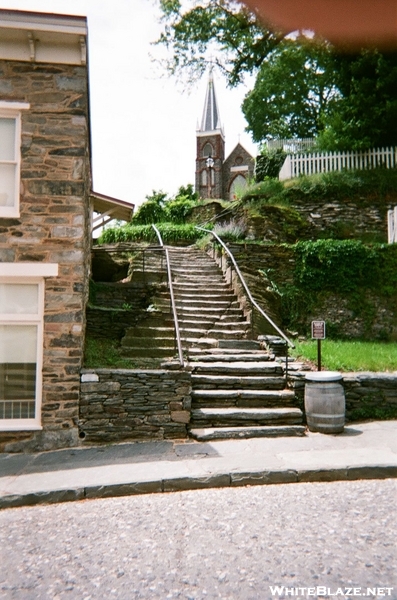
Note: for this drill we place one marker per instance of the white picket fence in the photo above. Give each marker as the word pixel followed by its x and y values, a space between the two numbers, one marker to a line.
pixel 324 162
pixel 392 225
pixel 292 145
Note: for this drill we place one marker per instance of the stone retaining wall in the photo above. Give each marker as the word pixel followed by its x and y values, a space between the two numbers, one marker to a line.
pixel 131 404
pixel 368 395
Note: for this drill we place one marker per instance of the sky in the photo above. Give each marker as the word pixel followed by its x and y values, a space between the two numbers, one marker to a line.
pixel 143 122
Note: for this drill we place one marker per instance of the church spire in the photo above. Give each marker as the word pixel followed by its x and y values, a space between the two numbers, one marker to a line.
pixel 210 120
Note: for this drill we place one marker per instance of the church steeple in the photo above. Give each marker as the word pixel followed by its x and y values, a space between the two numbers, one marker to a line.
pixel 210 147
pixel 210 120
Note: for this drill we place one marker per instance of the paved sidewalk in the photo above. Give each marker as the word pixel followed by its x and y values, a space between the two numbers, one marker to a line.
pixel 362 451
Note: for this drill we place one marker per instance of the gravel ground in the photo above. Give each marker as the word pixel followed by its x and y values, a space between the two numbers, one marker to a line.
pixel 232 543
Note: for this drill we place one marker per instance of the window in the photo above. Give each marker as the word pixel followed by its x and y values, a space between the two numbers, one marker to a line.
pixel 20 353
pixel 21 343
pixel 10 157
pixel 207 150
pixel 238 186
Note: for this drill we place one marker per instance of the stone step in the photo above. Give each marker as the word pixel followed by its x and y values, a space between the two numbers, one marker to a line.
pixel 147 342
pixel 149 332
pixel 182 285
pixel 211 319
pixel 196 355
pixel 211 298
pixel 248 398
pixel 208 325
pixel 226 433
pixel 197 303
pixel 232 382
pixel 226 417
pixel 214 333
pixel 210 311
pixel 240 344
pixel 240 368
pixel 145 352
pixel 202 342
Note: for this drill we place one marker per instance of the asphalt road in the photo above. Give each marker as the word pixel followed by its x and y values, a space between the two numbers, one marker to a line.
pixel 309 539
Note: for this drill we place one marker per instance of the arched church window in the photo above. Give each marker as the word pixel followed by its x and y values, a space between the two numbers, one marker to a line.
pixel 207 150
pixel 239 184
pixel 204 178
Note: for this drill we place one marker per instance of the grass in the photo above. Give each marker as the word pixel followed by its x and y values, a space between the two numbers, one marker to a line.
pixel 338 355
pixel 105 354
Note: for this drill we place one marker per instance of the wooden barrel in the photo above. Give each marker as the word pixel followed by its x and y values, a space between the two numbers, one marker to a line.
pixel 325 402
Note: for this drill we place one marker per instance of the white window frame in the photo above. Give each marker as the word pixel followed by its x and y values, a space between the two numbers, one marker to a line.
pixel 12 110
pixel 28 273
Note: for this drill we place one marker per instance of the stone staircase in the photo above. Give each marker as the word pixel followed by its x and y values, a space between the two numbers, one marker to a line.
pixel 238 389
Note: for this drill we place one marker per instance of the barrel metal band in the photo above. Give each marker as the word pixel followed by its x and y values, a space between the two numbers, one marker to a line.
pixel 309 415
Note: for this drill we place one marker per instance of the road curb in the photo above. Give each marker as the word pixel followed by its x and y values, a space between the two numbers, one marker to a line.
pixel 217 480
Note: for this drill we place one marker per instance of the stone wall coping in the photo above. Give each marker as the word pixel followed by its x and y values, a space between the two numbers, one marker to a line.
pixel 133 371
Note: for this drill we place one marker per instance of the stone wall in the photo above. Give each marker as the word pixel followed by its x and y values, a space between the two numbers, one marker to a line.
pixel 377 319
pixel 53 227
pixel 119 405
pixel 368 395
pixel 350 217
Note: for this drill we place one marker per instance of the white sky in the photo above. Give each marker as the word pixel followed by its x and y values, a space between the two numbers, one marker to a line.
pixel 143 125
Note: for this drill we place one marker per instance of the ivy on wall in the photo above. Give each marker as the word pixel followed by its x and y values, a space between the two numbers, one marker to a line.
pixel 346 268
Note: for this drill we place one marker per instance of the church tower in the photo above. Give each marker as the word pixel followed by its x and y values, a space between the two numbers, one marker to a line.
pixel 210 147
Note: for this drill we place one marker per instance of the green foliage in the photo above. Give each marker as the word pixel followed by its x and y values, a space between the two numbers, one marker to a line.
pixel 269 190
pixel 336 265
pixel 339 185
pixel 303 87
pixel 170 233
pixel 269 163
pixel 101 353
pixel 186 192
pixel 149 212
pixel 365 113
pixel 293 91
pixel 194 34
pixel 176 211
pixel 338 355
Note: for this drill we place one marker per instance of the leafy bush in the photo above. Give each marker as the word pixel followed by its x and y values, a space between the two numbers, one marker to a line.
pixel 149 212
pixel 170 233
pixel 269 163
pixel 268 190
pixel 179 209
pixel 343 184
pixel 337 265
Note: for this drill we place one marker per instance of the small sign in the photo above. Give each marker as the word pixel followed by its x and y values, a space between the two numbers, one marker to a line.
pixel 318 330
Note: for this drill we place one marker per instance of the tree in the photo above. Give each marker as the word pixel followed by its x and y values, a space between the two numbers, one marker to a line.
pixel 303 88
pixel 293 91
pixel 224 29
pixel 365 114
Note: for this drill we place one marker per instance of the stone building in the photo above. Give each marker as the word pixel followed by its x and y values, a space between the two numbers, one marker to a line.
pixel 45 226
pixel 215 176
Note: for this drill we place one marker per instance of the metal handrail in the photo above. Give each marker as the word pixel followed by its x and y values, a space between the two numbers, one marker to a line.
pixel 245 286
pixel 176 324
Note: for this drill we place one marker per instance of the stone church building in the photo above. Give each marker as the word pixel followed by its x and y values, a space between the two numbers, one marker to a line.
pixel 217 177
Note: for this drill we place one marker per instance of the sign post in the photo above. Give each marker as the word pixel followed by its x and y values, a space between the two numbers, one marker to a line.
pixel 318 333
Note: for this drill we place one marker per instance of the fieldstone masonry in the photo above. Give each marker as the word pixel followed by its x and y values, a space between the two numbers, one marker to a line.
pixel 365 393
pixel 126 404
pixel 53 227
